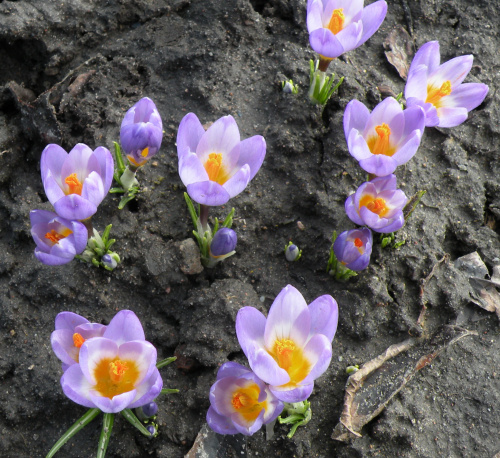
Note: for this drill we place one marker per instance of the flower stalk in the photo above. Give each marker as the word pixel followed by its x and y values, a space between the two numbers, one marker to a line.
pixel 125 177
pixel 321 87
pixel 107 428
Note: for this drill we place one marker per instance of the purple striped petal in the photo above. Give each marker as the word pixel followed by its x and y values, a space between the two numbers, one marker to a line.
pixel 372 18
pixel 298 394
pixel 191 170
pixel 92 352
pixel 53 158
pixel 189 134
pixel 76 386
pixel 349 36
pixel 74 207
pixel 68 320
pixel 221 137
pixel 250 328
pixel 115 404
pixel 416 84
pixel 451 116
pixel 318 352
pixel 428 56
pixel 324 42
pixel 356 116
pixel 62 344
pixel 324 316
pixel 379 165
pixel 208 193
pixel 148 390
pixel 252 152
pixel 238 182
pixel 144 356
pixel 219 423
pixel 467 95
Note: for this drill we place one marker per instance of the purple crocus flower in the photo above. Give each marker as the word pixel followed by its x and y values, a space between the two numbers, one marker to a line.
pixel 353 248
pixel 338 26
pixel 215 165
pixel 293 346
pixel 224 242
pixel 57 239
pixel 438 89
pixel 378 204
pixel 76 183
pixel 240 402
pixel 116 371
pixel 385 138
pixel 141 132
pixel 71 332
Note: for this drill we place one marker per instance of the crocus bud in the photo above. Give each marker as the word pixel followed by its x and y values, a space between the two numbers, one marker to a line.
pixel 292 252
pixel 223 243
pixel 150 410
pixel 110 261
pixel 141 132
pixel 152 430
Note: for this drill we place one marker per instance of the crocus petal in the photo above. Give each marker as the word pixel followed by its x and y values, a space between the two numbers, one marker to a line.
pixel 80 160
pixel 52 260
pixel 265 367
pixel 189 133
pixel 245 427
pixel 61 341
pixel 414 120
pixel 372 17
pixel 53 157
pixel 454 70
pixel 319 352
pixel 428 56
pixel 221 137
pixel 80 236
pixel 384 112
pixel 408 150
pixel 357 146
pixel 231 369
pixel 219 423
pixel 115 404
pixel 124 327
pixel 352 211
pixel 298 394
pixel 92 352
pixel 252 152
pixel 76 386
pixel 324 316
pixel 250 328
pixel 349 36
pixel 106 164
pixel 324 42
pixel 191 169
pixel 148 390
pixel 416 84
pixel 93 189
pixel 355 117
pixel 74 206
pixel 69 320
pixel 208 193
pixel 360 263
pixel 144 356
pixel 314 12
pixel 468 96
pixel 288 318
pixel 379 165
pixel 451 117
pixel 238 182
pixel 52 188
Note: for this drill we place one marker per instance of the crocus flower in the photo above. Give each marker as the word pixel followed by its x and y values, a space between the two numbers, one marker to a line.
pixel 438 89
pixel 292 252
pixel 57 239
pixel 76 183
pixel 338 26
pixel 71 332
pixel 353 248
pixel 240 402
pixel 116 371
pixel 224 242
pixel 141 132
pixel 293 346
pixel 215 165
pixel 378 204
pixel 385 138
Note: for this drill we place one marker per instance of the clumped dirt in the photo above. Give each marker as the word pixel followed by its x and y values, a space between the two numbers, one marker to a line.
pixel 71 70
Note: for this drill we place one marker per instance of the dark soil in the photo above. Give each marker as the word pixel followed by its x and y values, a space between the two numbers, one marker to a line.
pixel 71 69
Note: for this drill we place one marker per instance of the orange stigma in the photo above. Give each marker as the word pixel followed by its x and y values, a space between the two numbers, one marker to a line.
pixel 240 400
pixel 145 152
pixel 75 187
pixel 117 370
pixel 376 205
pixel 292 359
pixel 358 243
pixel 78 340
pixel 434 94
pixel 54 236
pixel 336 23
pixel 245 400
pixel 215 169
pixel 380 143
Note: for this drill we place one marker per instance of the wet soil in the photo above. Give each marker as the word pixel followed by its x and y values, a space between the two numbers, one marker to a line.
pixel 70 71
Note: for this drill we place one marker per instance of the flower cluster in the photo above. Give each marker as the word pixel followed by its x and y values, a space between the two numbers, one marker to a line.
pixel 286 352
pixel 215 165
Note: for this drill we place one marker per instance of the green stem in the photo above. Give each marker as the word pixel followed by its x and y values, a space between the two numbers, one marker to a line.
pixel 133 420
pixel 168 391
pixel 107 428
pixel 80 424
pixel 204 217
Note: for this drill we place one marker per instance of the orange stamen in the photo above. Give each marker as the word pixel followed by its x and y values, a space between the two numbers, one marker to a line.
pixel 117 370
pixel 434 94
pixel 75 187
pixel 54 236
pixel 215 169
pixel 78 340
pixel 358 242
pixel 376 205
pixel 336 23
pixel 145 152
pixel 246 401
pixel 291 358
pixel 380 144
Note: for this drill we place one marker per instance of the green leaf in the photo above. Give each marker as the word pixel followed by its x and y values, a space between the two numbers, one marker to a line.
pixel 79 425
pixel 107 428
pixel 228 222
pixel 165 362
pixel 133 420
pixel 192 211
pixel 168 391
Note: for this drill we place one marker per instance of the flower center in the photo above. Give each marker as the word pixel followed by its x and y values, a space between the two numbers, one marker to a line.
pixel 291 358
pixel 54 236
pixel 115 377
pixel 336 23
pixel 245 401
pixel 358 242
pixel 74 185
pixel 434 94
pixel 376 205
pixel 145 152
pixel 215 169
pixel 380 143
pixel 78 340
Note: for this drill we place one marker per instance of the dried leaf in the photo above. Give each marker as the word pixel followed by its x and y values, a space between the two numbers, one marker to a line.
pixel 399 50
pixel 370 389
pixel 209 444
